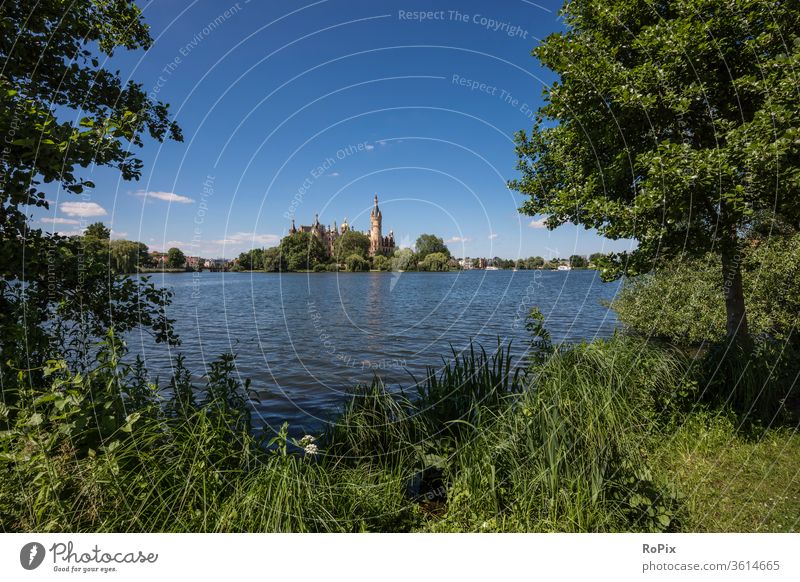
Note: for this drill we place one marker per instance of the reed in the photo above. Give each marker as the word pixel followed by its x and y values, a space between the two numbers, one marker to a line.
pixel 587 438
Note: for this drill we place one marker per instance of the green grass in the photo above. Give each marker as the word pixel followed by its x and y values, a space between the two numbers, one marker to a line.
pixel 607 436
pixel 732 482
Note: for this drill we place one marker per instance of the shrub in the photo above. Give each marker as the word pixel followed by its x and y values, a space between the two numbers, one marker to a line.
pixel 381 263
pixel 357 263
pixel 434 262
pixel 683 302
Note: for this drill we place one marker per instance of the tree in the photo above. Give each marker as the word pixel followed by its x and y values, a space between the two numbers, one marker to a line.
pixel 578 262
pixel 429 243
pixel 683 301
pixel 551 264
pixel 98 231
pixel 302 251
pixel 356 262
pixel 351 242
pixel 50 61
pixel 381 263
pixel 252 260
pixel 434 262
pixel 175 258
pixel 534 262
pixel 596 259
pixel 127 256
pixel 404 260
pixel 273 260
pixel 676 124
pixel 60 111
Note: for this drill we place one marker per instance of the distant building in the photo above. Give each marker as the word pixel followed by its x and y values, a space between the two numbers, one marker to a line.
pixel 159 259
pixel 467 263
pixel 378 244
pixel 194 262
pixel 216 264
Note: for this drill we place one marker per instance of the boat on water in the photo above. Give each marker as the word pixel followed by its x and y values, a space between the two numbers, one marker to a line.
pixel 492 269
pixel 564 268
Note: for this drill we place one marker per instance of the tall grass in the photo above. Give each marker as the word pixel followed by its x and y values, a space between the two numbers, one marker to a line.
pixel 575 443
pixel 568 454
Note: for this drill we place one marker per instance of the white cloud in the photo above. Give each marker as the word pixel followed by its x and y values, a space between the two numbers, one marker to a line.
pixel 118 234
pixel 538 223
pixel 334 174
pixel 166 197
pixel 251 238
pixel 84 209
pixel 493 236
pixel 369 146
pixel 55 220
pixel 457 239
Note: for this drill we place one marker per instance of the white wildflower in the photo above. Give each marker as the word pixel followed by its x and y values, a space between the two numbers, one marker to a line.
pixel 306 440
pixel 311 449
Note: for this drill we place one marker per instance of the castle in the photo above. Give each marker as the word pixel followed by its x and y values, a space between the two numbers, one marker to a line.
pixel 378 244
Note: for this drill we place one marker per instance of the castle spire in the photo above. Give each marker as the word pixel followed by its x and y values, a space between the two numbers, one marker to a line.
pixel 375 210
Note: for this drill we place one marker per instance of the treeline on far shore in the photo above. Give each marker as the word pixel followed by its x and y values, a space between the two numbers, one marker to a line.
pixel 304 252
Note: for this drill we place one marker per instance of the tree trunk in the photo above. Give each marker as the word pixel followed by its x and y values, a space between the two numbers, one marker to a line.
pixel 736 314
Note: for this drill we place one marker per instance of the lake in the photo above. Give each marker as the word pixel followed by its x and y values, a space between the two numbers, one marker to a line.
pixel 304 339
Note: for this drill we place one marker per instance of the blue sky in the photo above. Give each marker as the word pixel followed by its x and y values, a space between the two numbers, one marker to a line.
pixel 296 108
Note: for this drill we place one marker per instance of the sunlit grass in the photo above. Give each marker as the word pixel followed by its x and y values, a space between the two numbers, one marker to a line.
pixel 605 436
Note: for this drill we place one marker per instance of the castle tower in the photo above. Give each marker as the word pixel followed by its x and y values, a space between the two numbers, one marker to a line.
pixel 375 239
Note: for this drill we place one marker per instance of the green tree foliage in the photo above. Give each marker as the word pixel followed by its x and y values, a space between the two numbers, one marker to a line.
pixel 684 303
pixel 381 263
pixel 61 111
pixel 502 263
pixel 429 243
pixel 356 263
pixel 97 230
pixel 51 55
pixel 273 260
pixel 404 260
pixel 175 258
pixel 302 251
pixel 534 263
pixel 252 260
pixel 578 262
pixel 595 259
pixel 434 262
pixel 127 256
pixel 350 243
pixel 676 124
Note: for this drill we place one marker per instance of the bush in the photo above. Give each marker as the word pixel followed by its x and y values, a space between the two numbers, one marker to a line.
pixel 404 260
pixel 434 262
pixel 357 263
pixel 683 301
pixel 680 302
pixel 381 263
pixel 570 454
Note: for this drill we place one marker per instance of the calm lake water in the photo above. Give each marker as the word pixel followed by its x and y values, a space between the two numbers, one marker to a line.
pixel 304 339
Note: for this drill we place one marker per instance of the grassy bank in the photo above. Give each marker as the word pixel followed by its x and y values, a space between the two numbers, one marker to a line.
pixel 607 436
